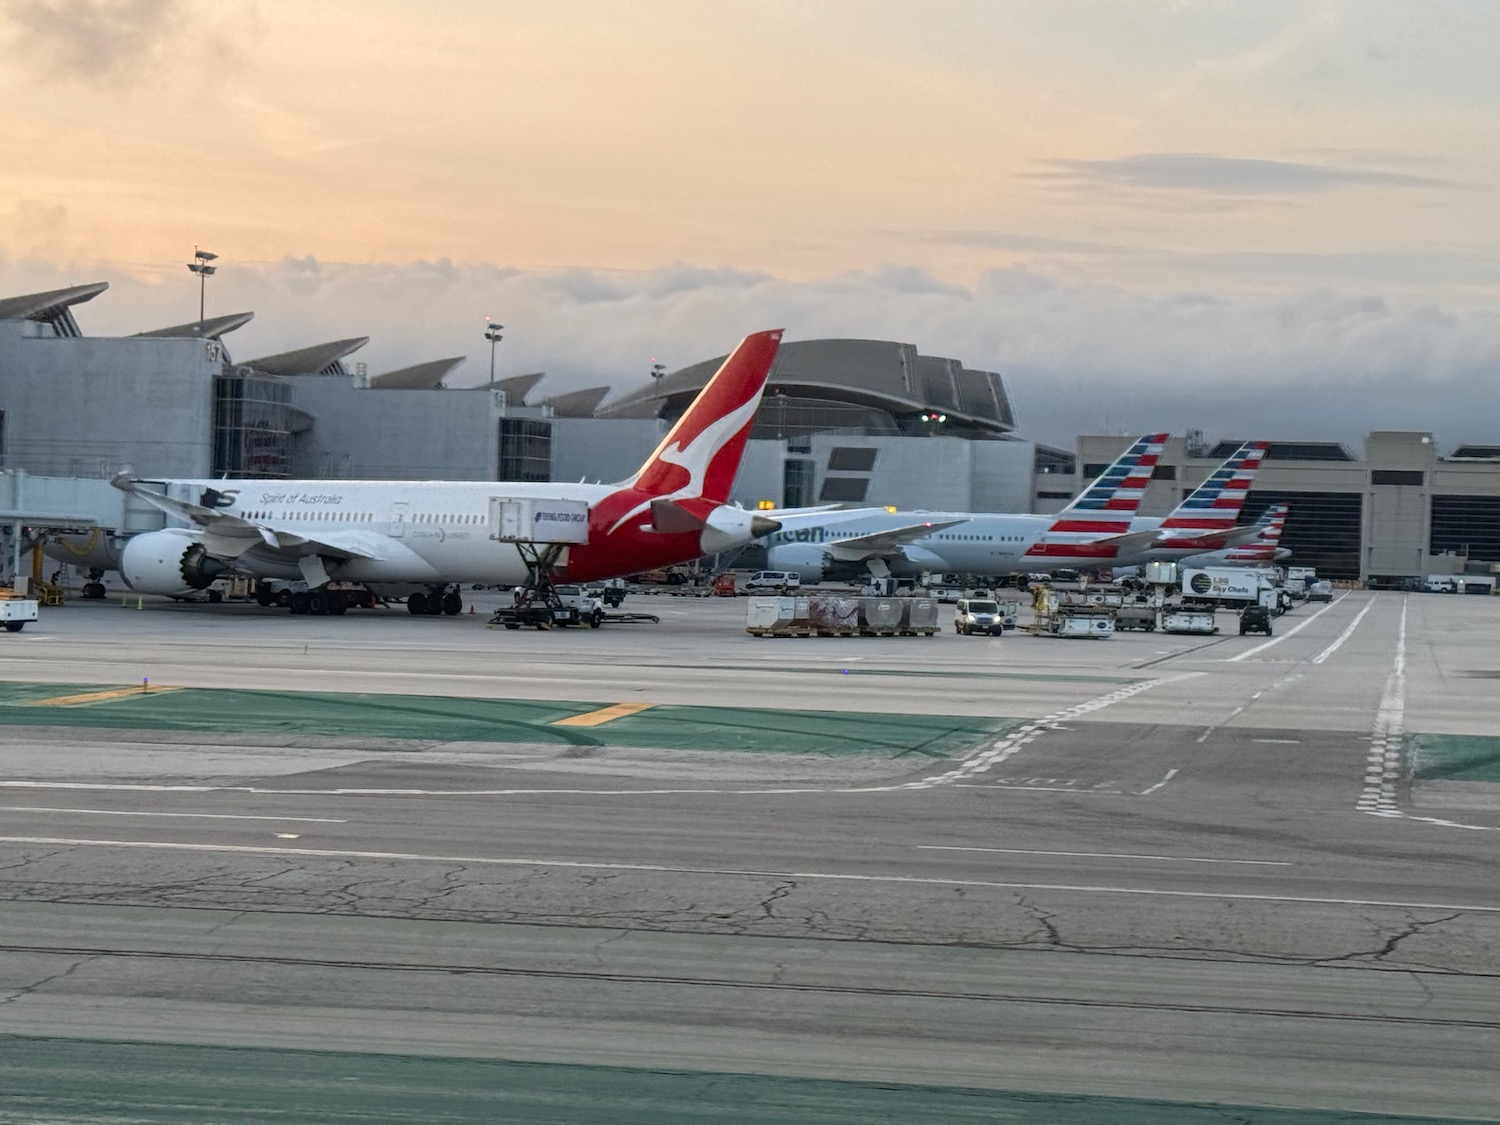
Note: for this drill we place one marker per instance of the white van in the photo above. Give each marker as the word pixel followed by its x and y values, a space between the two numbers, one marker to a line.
pixel 978 615
pixel 773 581
pixel 1439 585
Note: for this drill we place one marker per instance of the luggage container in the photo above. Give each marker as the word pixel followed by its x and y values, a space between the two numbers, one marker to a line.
pixel 880 617
pixel 833 616
pixel 919 615
pixel 766 617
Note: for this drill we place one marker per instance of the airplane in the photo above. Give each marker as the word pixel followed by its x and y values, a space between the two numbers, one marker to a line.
pixel 1207 520
pixel 423 538
pixel 1094 530
pixel 1261 551
pixel 1099 529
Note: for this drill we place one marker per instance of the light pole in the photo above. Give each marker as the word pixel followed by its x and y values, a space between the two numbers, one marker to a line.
pixel 492 333
pixel 658 370
pixel 199 265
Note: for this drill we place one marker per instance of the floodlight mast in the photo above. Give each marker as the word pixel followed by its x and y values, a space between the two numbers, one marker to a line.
pixel 492 333
pixel 199 265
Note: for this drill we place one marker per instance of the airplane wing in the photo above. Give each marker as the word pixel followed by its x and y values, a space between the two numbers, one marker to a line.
pixel 1130 541
pixel 229 536
pixel 1215 540
pixel 885 542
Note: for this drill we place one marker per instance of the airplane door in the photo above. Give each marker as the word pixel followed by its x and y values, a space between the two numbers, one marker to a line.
pixel 398 519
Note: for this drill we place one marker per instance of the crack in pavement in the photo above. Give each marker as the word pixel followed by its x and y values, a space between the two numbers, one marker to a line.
pixel 27 990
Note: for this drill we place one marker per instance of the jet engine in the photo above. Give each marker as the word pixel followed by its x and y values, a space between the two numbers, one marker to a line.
pixel 169 563
pixel 807 561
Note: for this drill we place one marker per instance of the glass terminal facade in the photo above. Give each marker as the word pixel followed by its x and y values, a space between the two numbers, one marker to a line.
pixel 252 426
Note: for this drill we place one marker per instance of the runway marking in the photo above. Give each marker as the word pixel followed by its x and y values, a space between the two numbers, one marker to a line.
pixel 988 758
pixel 654 868
pixel 1171 773
pixel 1279 741
pixel 1292 632
pixel 1107 855
pixel 1383 764
pixel 1345 635
pixel 184 815
pixel 88 697
pixel 603 715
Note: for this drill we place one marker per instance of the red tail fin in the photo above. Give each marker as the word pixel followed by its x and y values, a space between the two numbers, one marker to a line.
pixel 701 454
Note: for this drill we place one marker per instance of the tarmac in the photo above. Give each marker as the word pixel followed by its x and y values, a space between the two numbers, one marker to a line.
pixel 254 865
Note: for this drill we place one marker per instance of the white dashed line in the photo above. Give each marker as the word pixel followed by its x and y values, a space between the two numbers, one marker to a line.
pixel 1171 773
pixel 1012 744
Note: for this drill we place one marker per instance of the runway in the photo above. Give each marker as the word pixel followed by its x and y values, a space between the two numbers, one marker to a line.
pixel 1182 870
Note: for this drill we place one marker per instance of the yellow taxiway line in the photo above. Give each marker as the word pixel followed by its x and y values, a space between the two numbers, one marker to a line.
pixel 97 696
pixel 603 715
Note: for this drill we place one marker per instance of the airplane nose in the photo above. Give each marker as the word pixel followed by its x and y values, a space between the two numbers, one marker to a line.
pixel 763 525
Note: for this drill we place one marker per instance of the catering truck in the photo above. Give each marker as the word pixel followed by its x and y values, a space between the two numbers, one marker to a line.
pixel 1231 586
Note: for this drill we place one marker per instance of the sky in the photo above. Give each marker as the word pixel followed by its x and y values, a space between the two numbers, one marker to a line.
pixel 1269 219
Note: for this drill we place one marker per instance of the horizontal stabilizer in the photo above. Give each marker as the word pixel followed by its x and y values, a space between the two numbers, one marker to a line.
pixel 671 518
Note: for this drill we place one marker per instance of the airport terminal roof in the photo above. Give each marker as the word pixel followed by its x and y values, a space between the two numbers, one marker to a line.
pixel 210 329
pixel 882 374
pixel 1290 450
pixel 418 377
pixel 577 404
pixel 319 359
pixel 52 307
pixel 517 387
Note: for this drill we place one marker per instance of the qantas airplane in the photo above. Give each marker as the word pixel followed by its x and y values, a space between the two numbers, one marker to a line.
pixel 421 538
pixel 1098 529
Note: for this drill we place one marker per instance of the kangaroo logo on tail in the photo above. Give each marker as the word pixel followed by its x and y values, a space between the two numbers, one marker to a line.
pixel 701 454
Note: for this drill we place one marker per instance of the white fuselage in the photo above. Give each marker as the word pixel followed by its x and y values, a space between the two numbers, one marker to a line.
pixel 417 530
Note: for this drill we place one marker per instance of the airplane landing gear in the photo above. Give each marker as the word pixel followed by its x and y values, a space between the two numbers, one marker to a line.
pixel 435 602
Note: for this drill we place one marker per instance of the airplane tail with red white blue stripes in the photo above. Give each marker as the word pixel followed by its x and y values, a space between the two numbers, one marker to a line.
pixel 1208 517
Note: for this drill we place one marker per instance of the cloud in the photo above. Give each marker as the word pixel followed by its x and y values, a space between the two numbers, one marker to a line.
pixel 1078 356
pixel 1210 174
pixel 110 43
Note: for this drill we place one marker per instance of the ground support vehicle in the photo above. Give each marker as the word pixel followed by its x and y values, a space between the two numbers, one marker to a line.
pixel 15 611
pixel 769 581
pixel 546 606
pixel 1142 617
pixel 1320 591
pixel 978 615
pixel 1255 619
pixel 1182 619
pixel 1095 622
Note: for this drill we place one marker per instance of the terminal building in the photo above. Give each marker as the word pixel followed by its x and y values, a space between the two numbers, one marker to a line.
pixel 850 422
pixel 1398 509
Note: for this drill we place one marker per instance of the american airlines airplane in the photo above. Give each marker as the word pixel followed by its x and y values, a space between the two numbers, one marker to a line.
pixel 1092 531
pixel 421 538
pixel 1098 529
pixel 1261 551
